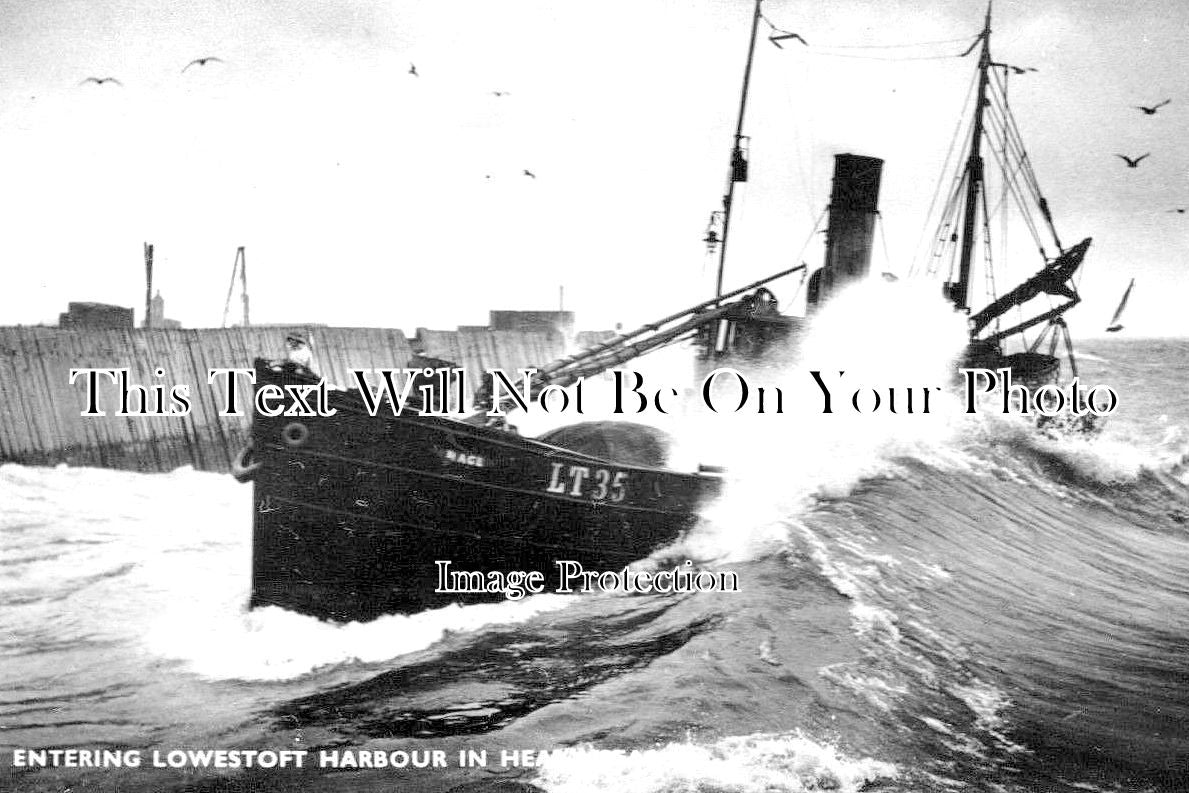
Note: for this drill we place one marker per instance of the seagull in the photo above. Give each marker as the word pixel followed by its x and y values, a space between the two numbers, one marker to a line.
pixel 1179 211
pixel 413 70
pixel 1021 69
pixel 201 62
pixel 101 81
pixel 1133 163
pixel 1151 111
pixel 527 172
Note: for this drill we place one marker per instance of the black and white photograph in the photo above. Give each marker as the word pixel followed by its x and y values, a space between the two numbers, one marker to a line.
pixel 641 396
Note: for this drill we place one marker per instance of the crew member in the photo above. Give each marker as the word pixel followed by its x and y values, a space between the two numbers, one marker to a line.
pixel 298 352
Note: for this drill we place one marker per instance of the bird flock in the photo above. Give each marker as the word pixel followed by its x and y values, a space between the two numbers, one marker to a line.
pixel 203 61
pixel 529 174
pixel 196 62
pixel 1133 162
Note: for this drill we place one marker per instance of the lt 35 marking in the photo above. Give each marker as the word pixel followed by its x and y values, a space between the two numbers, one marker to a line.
pixel 580 480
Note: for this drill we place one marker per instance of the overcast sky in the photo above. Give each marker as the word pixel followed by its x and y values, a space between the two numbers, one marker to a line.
pixel 365 195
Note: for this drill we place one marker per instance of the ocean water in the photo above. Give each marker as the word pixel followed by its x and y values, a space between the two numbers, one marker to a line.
pixel 927 604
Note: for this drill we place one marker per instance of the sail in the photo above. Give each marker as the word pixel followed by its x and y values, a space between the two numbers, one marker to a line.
pixel 1114 325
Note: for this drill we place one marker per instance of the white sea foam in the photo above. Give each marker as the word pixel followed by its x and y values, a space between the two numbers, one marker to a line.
pixel 273 644
pixel 761 763
pixel 870 687
pixel 167 556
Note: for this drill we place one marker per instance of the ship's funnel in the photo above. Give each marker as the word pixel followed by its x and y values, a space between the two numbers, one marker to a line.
pixel 854 204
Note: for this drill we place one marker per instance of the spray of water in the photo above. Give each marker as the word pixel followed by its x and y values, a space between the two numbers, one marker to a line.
pixel 872 346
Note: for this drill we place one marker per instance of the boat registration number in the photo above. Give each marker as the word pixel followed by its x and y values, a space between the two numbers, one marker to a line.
pixel 599 484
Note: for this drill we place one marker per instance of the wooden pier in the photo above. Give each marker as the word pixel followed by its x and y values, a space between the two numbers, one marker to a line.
pixel 40 411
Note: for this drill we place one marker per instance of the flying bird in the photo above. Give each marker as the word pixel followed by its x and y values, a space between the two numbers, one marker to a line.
pixel 499 93
pixel 1179 211
pixel 1151 111
pixel 527 172
pixel 201 62
pixel 101 81
pixel 1133 163
pixel 1021 69
pixel 413 70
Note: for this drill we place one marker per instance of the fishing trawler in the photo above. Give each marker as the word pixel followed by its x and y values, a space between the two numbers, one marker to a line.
pixel 355 510
pixel 965 221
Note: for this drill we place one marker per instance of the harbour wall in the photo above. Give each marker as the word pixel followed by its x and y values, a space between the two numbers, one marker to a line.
pixel 40 421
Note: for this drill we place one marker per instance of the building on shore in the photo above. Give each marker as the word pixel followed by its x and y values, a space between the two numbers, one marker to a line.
pixel 533 321
pixel 157 319
pixel 82 315
pixel 98 316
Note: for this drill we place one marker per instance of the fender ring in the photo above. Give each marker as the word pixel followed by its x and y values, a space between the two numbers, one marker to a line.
pixel 243 466
pixel 295 434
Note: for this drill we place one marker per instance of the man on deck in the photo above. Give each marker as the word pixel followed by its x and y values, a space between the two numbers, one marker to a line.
pixel 298 352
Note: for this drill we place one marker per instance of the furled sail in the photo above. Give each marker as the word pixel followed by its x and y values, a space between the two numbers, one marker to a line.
pixel 1053 280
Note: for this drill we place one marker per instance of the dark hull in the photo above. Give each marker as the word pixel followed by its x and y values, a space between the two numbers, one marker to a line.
pixel 1029 368
pixel 352 511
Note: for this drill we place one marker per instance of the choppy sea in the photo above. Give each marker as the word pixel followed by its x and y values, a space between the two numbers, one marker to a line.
pixel 926 605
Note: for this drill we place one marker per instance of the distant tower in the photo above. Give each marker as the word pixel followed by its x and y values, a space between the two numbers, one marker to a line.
pixel 157 311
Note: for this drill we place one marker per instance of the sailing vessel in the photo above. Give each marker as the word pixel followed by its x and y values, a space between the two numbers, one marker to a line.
pixel 1113 326
pixel 965 221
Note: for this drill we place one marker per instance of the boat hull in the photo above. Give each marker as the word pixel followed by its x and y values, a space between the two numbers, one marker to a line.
pixel 1029 368
pixel 353 513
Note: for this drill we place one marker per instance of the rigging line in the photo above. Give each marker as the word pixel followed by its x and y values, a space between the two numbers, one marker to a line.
pixel 988 269
pixel 1004 194
pixel 1014 173
pixel 884 240
pixel 1009 182
pixel 1029 221
pixel 1002 113
pixel 1009 127
pixel 947 219
pixel 1017 137
pixel 1002 116
pixel 778 29
pixel 1018 170
pixel 948 222
pixel 812 232
pixel 895 46
pixel 928 226
pixel 819 51
pixel 800 132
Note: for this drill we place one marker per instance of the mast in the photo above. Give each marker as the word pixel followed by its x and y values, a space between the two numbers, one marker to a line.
pixel 974 171
pixel 240 266
pixel 738 166
pixel 148 288
pixel 243 279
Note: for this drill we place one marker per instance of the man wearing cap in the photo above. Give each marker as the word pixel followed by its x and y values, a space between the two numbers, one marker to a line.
pixel 298 351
